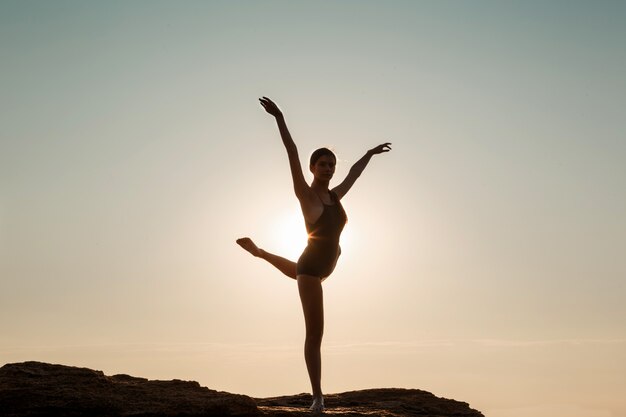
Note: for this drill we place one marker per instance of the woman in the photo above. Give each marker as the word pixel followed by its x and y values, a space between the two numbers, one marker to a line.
pixel 324 219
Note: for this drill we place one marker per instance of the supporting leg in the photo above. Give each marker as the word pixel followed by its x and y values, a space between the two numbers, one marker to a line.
pixel 311 296
pixel 285 266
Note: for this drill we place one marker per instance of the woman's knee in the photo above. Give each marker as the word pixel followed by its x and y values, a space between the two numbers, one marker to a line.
pixel 314 339
pixel 314 324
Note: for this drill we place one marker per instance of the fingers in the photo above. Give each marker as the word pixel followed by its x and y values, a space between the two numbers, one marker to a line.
pixel 268 106
pixel 266 101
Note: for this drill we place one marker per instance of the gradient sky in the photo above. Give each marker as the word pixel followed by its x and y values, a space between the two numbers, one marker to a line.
pixel 484 256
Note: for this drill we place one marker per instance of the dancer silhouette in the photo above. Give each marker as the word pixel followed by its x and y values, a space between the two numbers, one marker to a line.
pixel 324 218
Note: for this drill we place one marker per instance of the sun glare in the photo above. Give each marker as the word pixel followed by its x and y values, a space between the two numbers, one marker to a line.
pixel 289 237
pixel 289 234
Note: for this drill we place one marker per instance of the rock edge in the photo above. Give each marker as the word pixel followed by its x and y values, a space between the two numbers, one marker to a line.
pixel 30 389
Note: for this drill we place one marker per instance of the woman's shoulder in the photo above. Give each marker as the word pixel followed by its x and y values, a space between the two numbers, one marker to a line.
pixel 312 207
pixel 310 199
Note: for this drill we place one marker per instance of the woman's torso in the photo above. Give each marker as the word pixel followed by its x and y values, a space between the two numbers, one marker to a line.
pixel 328 227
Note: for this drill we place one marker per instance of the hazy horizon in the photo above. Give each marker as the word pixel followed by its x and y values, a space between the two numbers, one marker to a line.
pixel 483 259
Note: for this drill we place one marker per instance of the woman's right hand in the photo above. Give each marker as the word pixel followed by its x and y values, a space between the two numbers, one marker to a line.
pixel 270 107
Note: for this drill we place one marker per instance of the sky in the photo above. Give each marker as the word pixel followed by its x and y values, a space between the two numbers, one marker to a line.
pixel 483 259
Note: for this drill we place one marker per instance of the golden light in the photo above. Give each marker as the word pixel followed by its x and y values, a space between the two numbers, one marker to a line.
pixel 288 234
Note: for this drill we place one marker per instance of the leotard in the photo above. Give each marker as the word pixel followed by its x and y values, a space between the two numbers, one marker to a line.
pixel 322 251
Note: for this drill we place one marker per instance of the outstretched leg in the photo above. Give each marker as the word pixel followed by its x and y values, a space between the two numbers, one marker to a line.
pixel 285 266
pixel 311 296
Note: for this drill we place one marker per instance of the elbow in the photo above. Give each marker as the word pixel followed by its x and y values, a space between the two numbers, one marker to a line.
pixel 291 148
pixel 355 172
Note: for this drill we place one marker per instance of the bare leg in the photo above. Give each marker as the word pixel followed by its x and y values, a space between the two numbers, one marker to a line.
pixel 311 296
pixel 285 266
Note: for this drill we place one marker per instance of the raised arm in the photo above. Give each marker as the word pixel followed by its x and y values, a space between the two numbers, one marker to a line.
pixel 358 167
pixel 300 186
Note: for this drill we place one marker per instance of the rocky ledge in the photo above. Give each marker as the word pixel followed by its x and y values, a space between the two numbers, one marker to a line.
pixel 39 389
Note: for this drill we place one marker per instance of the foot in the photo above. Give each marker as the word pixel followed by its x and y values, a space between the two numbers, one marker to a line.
pixel 248 244
pixel 318 405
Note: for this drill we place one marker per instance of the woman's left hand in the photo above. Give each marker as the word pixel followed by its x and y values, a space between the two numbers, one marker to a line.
pixel 385 147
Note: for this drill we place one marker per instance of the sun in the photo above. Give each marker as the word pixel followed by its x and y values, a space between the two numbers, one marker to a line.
pixel 288 234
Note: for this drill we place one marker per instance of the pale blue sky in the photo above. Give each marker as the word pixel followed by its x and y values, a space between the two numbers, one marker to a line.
pixel 133 152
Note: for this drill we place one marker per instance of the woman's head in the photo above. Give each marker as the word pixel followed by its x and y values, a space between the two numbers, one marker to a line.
pixel 319 153
pixel 322 164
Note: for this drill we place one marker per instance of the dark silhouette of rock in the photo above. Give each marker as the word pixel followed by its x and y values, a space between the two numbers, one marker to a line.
pixel 383 402
pixel 32 389
pixel 40 389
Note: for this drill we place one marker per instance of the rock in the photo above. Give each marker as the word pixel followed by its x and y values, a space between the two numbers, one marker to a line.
pixel 40 389
pixel 32 389
pixel 384 402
